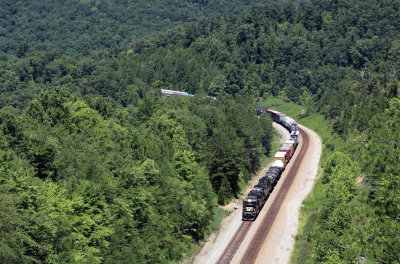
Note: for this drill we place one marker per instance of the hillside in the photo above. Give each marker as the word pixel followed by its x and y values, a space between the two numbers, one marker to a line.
pixel 85 182
pixel 338 59
pixel 83 26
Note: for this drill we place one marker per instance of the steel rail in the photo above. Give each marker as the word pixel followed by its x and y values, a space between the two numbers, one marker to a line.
pixel 234 244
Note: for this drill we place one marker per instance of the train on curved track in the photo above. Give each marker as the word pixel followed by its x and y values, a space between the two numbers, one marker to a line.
pixel 258 196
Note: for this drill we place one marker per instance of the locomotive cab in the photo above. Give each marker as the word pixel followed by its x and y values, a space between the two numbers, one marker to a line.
pixel 250 208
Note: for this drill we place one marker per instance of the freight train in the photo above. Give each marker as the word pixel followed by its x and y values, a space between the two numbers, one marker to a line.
pixel 258 196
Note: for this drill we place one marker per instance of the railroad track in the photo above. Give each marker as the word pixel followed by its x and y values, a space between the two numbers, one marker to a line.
pixel 234 244
pixel 266 224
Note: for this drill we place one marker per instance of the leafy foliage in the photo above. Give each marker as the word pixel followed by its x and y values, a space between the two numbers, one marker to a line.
pixel 382 162
pixel 330 239
pixel 86 185
pixel 84 26
pixel 95 167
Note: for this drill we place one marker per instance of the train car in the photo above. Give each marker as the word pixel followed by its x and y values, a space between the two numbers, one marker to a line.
pixel 263 190
pixel 166 92
pixel 274 174
pixel 267 185
pixel 282 156
pixel 295 127
pixel 293 141
pixel 260 197
pixel 273 178
pixel 276 116
pixel 295 135
pixel 268 179
pixel 289 149
pixel 259 111
pixel 279 165
pixel 280 118
pixel 289 123
pixel 251 208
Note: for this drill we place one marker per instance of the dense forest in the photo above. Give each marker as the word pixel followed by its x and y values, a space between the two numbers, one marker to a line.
pixel 97 167
pixel 86 25
pixel 83 181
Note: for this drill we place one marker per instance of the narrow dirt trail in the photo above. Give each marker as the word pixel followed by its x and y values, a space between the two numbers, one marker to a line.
pixel 279 243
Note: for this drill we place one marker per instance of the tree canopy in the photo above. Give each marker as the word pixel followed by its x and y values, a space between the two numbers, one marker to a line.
pixel 96 166
pixel 78 27
pixel 80 184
